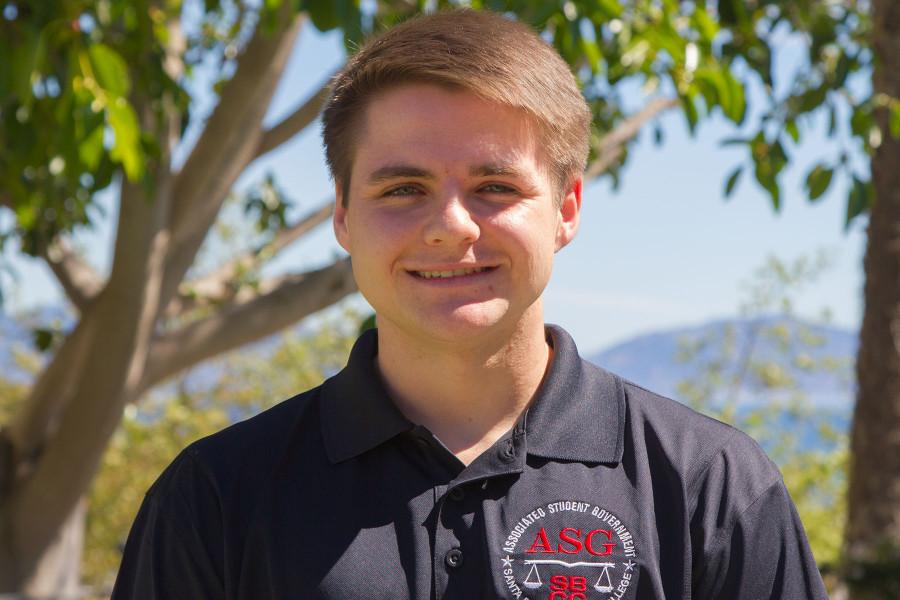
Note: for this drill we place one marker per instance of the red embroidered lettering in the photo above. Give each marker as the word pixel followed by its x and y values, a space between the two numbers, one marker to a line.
pixel 607 547
pixel 542 541
pixel 578 584
pixel 559 583
pixel 567 588
pixel 574 541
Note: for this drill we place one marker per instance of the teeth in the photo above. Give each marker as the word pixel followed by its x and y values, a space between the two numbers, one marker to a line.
pixel 448 274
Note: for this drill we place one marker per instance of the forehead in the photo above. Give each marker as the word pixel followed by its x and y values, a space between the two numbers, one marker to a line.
pixel 426 123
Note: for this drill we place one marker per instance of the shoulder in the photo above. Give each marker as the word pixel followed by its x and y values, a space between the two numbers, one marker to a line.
pixel 249 450
pixel 702 451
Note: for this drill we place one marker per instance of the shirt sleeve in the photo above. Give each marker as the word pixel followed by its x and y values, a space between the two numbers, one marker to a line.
pixel 174 550
pixel 752 545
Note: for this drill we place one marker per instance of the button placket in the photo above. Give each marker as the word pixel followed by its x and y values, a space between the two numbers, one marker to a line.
pixel 447 552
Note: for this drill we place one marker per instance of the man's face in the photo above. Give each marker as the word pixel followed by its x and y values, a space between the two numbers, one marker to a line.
pixel 451 218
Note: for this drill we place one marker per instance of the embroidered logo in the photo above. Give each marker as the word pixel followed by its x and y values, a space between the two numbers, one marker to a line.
pixel 568 550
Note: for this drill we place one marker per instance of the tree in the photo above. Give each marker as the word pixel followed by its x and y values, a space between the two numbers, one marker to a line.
pixel 95 94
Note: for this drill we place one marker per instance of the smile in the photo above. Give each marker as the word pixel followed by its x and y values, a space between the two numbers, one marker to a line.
pixel 450 274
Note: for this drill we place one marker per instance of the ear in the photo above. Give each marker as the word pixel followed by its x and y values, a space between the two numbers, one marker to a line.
pixel 339 219
pixel 569 214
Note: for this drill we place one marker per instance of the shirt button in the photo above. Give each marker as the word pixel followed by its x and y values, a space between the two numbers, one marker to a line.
pixel 508 453
pixel 457 494
pixel 454 558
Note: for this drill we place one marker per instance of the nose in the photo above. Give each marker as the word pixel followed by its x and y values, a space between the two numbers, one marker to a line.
pixel 451 223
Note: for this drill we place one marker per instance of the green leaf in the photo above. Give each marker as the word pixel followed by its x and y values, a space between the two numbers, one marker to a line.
pixel 731 12
pixel 732 181
pixel 110 69
pixel 811 99
pixel 26 214
pixel 690 113
pixel 611 8
pixel 861 120
pixel 91 148
pixel 323 14
pixel 126 149
pixel 350 19
pixel 43 339
pixel 719 86
pixel 842 69
pixel 859 200
pixel 818 180
pixel 738 107
pixel 769 160
pixel 792 130
pixel 26 58
pixel 710 84
pixel 705 25
pixel 591 52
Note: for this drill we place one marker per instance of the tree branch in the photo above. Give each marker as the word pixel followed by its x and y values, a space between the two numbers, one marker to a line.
pixel 51 392
pixel 227 145
pixel 293 124
pixel 613 143
pixel 276 305
pixel 218 286
pixel 77 278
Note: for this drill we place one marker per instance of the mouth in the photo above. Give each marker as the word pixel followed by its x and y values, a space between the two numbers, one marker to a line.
pixel 451 273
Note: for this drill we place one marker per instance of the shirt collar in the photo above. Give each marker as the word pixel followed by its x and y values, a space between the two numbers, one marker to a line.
pixel 578 413
pixel 357 413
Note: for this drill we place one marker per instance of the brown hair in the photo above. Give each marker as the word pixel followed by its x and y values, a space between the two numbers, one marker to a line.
pixel 482 52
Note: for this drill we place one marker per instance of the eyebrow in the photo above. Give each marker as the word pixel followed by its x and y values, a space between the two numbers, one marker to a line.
pixel 398 171
pixel 496 170
pixel 389 172
pixel 504 170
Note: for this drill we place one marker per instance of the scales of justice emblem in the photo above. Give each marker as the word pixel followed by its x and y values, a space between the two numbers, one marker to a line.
pixel 568 550
pixel 533 579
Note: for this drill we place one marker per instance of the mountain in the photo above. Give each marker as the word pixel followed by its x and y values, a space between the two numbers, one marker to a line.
pixel 652 360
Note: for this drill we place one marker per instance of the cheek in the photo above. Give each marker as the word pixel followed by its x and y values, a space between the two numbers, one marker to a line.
pixel 372 231
pixel 530 239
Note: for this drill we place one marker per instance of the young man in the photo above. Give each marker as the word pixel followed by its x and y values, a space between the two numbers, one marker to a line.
pixel 466 451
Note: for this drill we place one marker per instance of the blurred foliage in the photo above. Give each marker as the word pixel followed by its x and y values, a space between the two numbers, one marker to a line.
pixel 805 440
pixel 81 75
pixel 155 431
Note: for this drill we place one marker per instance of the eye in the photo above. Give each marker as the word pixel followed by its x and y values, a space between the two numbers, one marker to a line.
pixel 403 190
pixel 497 188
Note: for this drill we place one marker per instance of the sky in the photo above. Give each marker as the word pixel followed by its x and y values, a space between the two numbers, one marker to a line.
pixel 663 251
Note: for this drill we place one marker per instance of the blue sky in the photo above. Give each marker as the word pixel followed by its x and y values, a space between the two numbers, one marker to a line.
pixel 663 251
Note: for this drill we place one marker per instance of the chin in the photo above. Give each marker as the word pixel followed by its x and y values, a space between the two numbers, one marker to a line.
pixel 464 322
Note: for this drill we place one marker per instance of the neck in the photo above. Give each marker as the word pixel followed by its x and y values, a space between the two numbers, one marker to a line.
pixel 470 395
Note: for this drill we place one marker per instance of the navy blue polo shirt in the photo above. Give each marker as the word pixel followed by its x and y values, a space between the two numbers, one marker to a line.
pixel 601 490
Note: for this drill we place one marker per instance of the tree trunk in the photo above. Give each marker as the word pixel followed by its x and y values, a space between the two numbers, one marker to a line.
pixel 57 574
pixel 873 525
